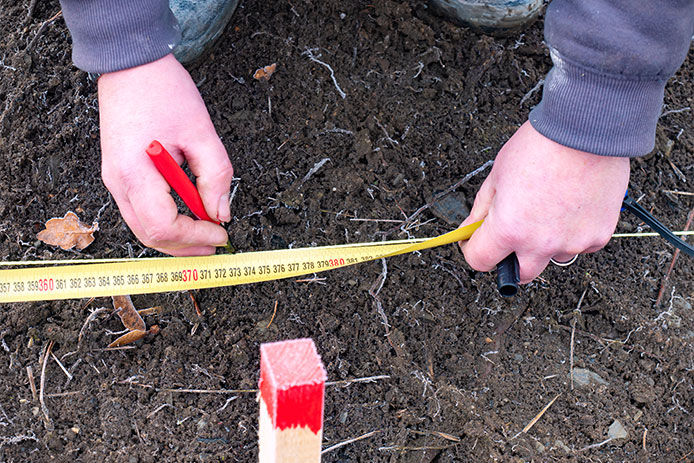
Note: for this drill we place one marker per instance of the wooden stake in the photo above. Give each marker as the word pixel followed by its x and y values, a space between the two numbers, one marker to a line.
pixel 292 386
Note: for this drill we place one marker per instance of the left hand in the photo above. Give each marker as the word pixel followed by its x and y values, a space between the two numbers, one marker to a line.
pixel 544 200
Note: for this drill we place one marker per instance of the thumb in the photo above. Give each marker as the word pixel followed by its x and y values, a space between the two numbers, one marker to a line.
pixel 212 168
pixel 483 201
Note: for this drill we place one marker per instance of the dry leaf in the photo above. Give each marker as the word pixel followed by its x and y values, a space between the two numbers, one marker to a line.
pixel 134 335
pixel 128 315
pixel 131 320
pixel 127 338
pixel 265 73
pixel 68 232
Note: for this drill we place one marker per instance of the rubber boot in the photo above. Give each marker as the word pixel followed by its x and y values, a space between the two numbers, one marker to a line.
pixel 494 17
pixel 202 23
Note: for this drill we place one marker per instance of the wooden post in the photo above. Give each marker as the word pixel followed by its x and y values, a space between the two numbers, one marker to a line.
pixel 292 385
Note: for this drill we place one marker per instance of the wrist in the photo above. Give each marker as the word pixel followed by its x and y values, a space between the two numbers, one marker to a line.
pixel 608 115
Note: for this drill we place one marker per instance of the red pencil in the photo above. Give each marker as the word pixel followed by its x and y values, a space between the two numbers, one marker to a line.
pixel 178 180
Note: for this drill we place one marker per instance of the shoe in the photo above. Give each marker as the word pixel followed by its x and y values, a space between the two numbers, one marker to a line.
pixel 495 17
pixel 202 23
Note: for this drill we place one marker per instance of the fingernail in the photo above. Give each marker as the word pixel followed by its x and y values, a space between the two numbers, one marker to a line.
pixel 223 209
pixel 223 242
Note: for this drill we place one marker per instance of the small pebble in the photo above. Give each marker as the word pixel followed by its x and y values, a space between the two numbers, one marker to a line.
pixel 584 377
pixel 617 431
pixel 561 445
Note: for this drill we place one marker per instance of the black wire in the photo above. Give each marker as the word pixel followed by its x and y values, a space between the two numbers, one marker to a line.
pixel 636 209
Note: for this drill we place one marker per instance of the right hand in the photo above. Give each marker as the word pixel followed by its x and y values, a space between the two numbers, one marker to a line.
pixel 544 200
pixel 159 100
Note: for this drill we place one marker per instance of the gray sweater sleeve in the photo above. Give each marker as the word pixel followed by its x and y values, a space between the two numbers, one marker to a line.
pixel 612 59
pixel 110 35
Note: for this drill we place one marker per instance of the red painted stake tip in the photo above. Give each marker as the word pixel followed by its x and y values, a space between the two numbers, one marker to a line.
pixel 178 180
pixel 292 384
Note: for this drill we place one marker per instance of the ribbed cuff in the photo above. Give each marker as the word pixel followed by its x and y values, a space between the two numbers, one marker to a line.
pixel 597 113
pixel 110 35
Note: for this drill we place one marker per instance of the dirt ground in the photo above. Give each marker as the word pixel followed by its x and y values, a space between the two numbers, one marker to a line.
pixel 462 370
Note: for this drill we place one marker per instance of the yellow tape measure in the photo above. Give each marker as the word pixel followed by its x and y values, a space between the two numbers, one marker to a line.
pixel 111 277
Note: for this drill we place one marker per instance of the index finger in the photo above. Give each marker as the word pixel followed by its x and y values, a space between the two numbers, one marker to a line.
pixel 158 215
pixel 486 247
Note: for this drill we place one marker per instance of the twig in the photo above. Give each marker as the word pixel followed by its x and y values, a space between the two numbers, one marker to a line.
pixel 571 357
pixel 443 435
pixel 316 167
pixel 349 441
pixel 368 379
pixel 312 57
pixel 233 194
pixel 98 216
pixel 438 196
pixel 132 381
pixel 273 315
pixel 677 192
pixel 158 409
pixel 195 303
pixel 44 409
pixel 389 139
pixel 646 234
pixel 531 92
pixel 595 338
pixel 401 448
pixel 32 384
pixel 114 348
pixel 30 12
pixel 16 439
pixel 42 28
pixel 229 400
pixel 594 446
pixel 188 391
pixel 675 111
pixel 537 417
pixel 374 290
pixel 92 316
pixel 355 219
pixel 64 394
pixel 337 130
pixel 67 373
pixel 573 334
pixel 676 254
pixel 315 279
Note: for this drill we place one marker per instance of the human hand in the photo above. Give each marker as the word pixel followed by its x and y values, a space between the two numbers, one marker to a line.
pixel 159 100
pixel 544 200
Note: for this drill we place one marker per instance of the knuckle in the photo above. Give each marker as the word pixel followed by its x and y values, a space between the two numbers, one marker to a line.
pixel 156 235
pixel 601 241
pixel 225 173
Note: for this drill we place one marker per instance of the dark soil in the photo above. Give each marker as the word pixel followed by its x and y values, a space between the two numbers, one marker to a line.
pixel 426 103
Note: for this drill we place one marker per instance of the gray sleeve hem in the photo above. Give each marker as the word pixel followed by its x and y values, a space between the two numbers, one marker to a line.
pixel 111 35
pixel 598 113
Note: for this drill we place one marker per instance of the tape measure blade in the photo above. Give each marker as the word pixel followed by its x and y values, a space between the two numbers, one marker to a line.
pixel 186 273
pixel 167 275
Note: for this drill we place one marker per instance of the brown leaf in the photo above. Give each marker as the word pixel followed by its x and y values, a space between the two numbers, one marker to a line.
pixel 128 315
pixel 265 72
pixel 134 335
pixel 68 232
pixel 127 338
